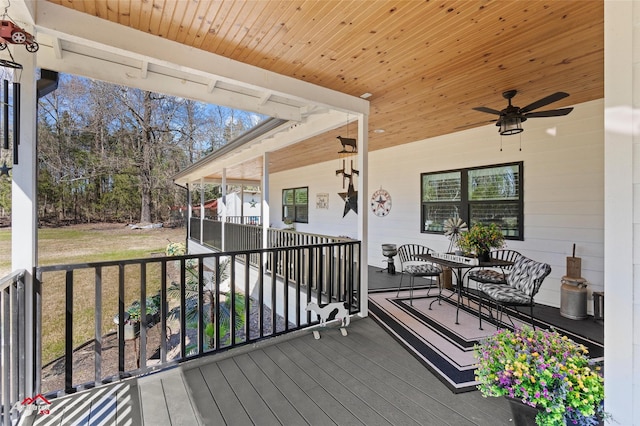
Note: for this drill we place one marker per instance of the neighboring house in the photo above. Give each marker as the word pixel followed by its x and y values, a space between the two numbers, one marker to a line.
pixel 236 205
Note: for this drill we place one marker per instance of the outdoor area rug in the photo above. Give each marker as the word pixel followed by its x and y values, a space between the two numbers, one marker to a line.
pixel 443 346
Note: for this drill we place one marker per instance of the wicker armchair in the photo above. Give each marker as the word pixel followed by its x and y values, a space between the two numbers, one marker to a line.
pixel 416 267
pixel 523 283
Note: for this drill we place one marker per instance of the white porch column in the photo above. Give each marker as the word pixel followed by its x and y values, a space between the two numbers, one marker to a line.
pixel 622 212
pixel 224 208
pixel 24 218
pixel 363 216
pixel 242 204
pixel 264 210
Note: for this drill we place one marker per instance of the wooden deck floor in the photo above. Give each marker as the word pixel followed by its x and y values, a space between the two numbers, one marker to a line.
pixel 364 378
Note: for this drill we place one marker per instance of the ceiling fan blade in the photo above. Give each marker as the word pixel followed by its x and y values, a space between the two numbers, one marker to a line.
pixel 488 110
pixel 550 113
pixel 544 101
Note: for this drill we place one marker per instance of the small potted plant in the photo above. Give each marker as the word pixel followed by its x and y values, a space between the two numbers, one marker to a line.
pixel 132 316
pixel 480 239
pixel 542 371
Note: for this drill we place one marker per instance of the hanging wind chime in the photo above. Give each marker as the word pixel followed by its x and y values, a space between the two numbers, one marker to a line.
pixel 11 33
pixel 14 91
pixel 350 197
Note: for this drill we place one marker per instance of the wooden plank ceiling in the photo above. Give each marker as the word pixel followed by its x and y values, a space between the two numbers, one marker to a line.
pixel 425 63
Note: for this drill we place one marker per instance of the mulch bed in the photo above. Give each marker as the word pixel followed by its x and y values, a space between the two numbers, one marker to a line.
pixel 84 356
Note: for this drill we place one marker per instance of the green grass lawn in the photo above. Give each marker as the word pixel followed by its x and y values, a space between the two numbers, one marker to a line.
pixel 82 244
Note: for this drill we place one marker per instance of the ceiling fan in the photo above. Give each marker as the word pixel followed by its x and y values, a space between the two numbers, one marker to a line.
pixel 511 118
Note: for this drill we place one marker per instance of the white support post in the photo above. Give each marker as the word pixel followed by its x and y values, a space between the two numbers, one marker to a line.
pixel 189 211
pixel 621 218
pixel 241 204
pixel 201 211
pixel 24 217
pixel 224 208
pixel 363 216
pixel 264 210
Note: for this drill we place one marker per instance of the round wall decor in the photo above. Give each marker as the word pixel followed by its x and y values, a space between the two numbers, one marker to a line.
pixel 381 202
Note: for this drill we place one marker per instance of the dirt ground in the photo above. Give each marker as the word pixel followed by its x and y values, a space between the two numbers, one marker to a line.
pixel 84 356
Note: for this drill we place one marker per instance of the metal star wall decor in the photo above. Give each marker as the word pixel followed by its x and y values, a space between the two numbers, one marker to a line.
pixel 252 203
pixel 350 200
pixel 4 170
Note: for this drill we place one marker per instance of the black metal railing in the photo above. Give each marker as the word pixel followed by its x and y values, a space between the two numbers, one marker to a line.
pixel 239 220
pixel 15 370
pixel 202 303
pixel 249 237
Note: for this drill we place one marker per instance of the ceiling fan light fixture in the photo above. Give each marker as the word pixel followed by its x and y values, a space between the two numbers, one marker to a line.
pixel 510 126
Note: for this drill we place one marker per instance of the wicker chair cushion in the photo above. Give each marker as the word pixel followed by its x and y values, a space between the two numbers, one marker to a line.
pixel 527 274
pixel 488 276
pixel 504 293
pixel 423 269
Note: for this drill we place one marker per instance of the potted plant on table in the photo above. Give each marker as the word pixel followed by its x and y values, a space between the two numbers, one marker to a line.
pixel 480 239
pixel 544 371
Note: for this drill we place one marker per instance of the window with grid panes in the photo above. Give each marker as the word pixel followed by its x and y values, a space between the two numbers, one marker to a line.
pixel 488 194
pixel 295 204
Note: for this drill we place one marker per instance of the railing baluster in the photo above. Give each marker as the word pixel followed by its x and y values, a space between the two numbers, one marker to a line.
pixel 98 327
pixel 320 278
pixel 216 322
pixel 297 276
pixel 274 305
pixel 285 289
pixel 7 373
pixel 200 288
pixel 68 334
pixel 121 320
pixel 142 355
pixel 247 302
pixel 232 304
pixel 261 294
pixel 183 310
pixel 309 284
pixel 13 345
pixel 330 274
pixel 22 341
pixel 37 335
pixel 163 311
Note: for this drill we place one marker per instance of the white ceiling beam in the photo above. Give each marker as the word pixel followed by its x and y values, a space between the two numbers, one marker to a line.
pixel 103 35
pixel 264 98
pixel 147 79
pixel 144 69
pixel 57 47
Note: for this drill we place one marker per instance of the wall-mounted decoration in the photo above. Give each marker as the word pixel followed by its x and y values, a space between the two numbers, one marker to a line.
pixel 322 200
pixel 381 202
